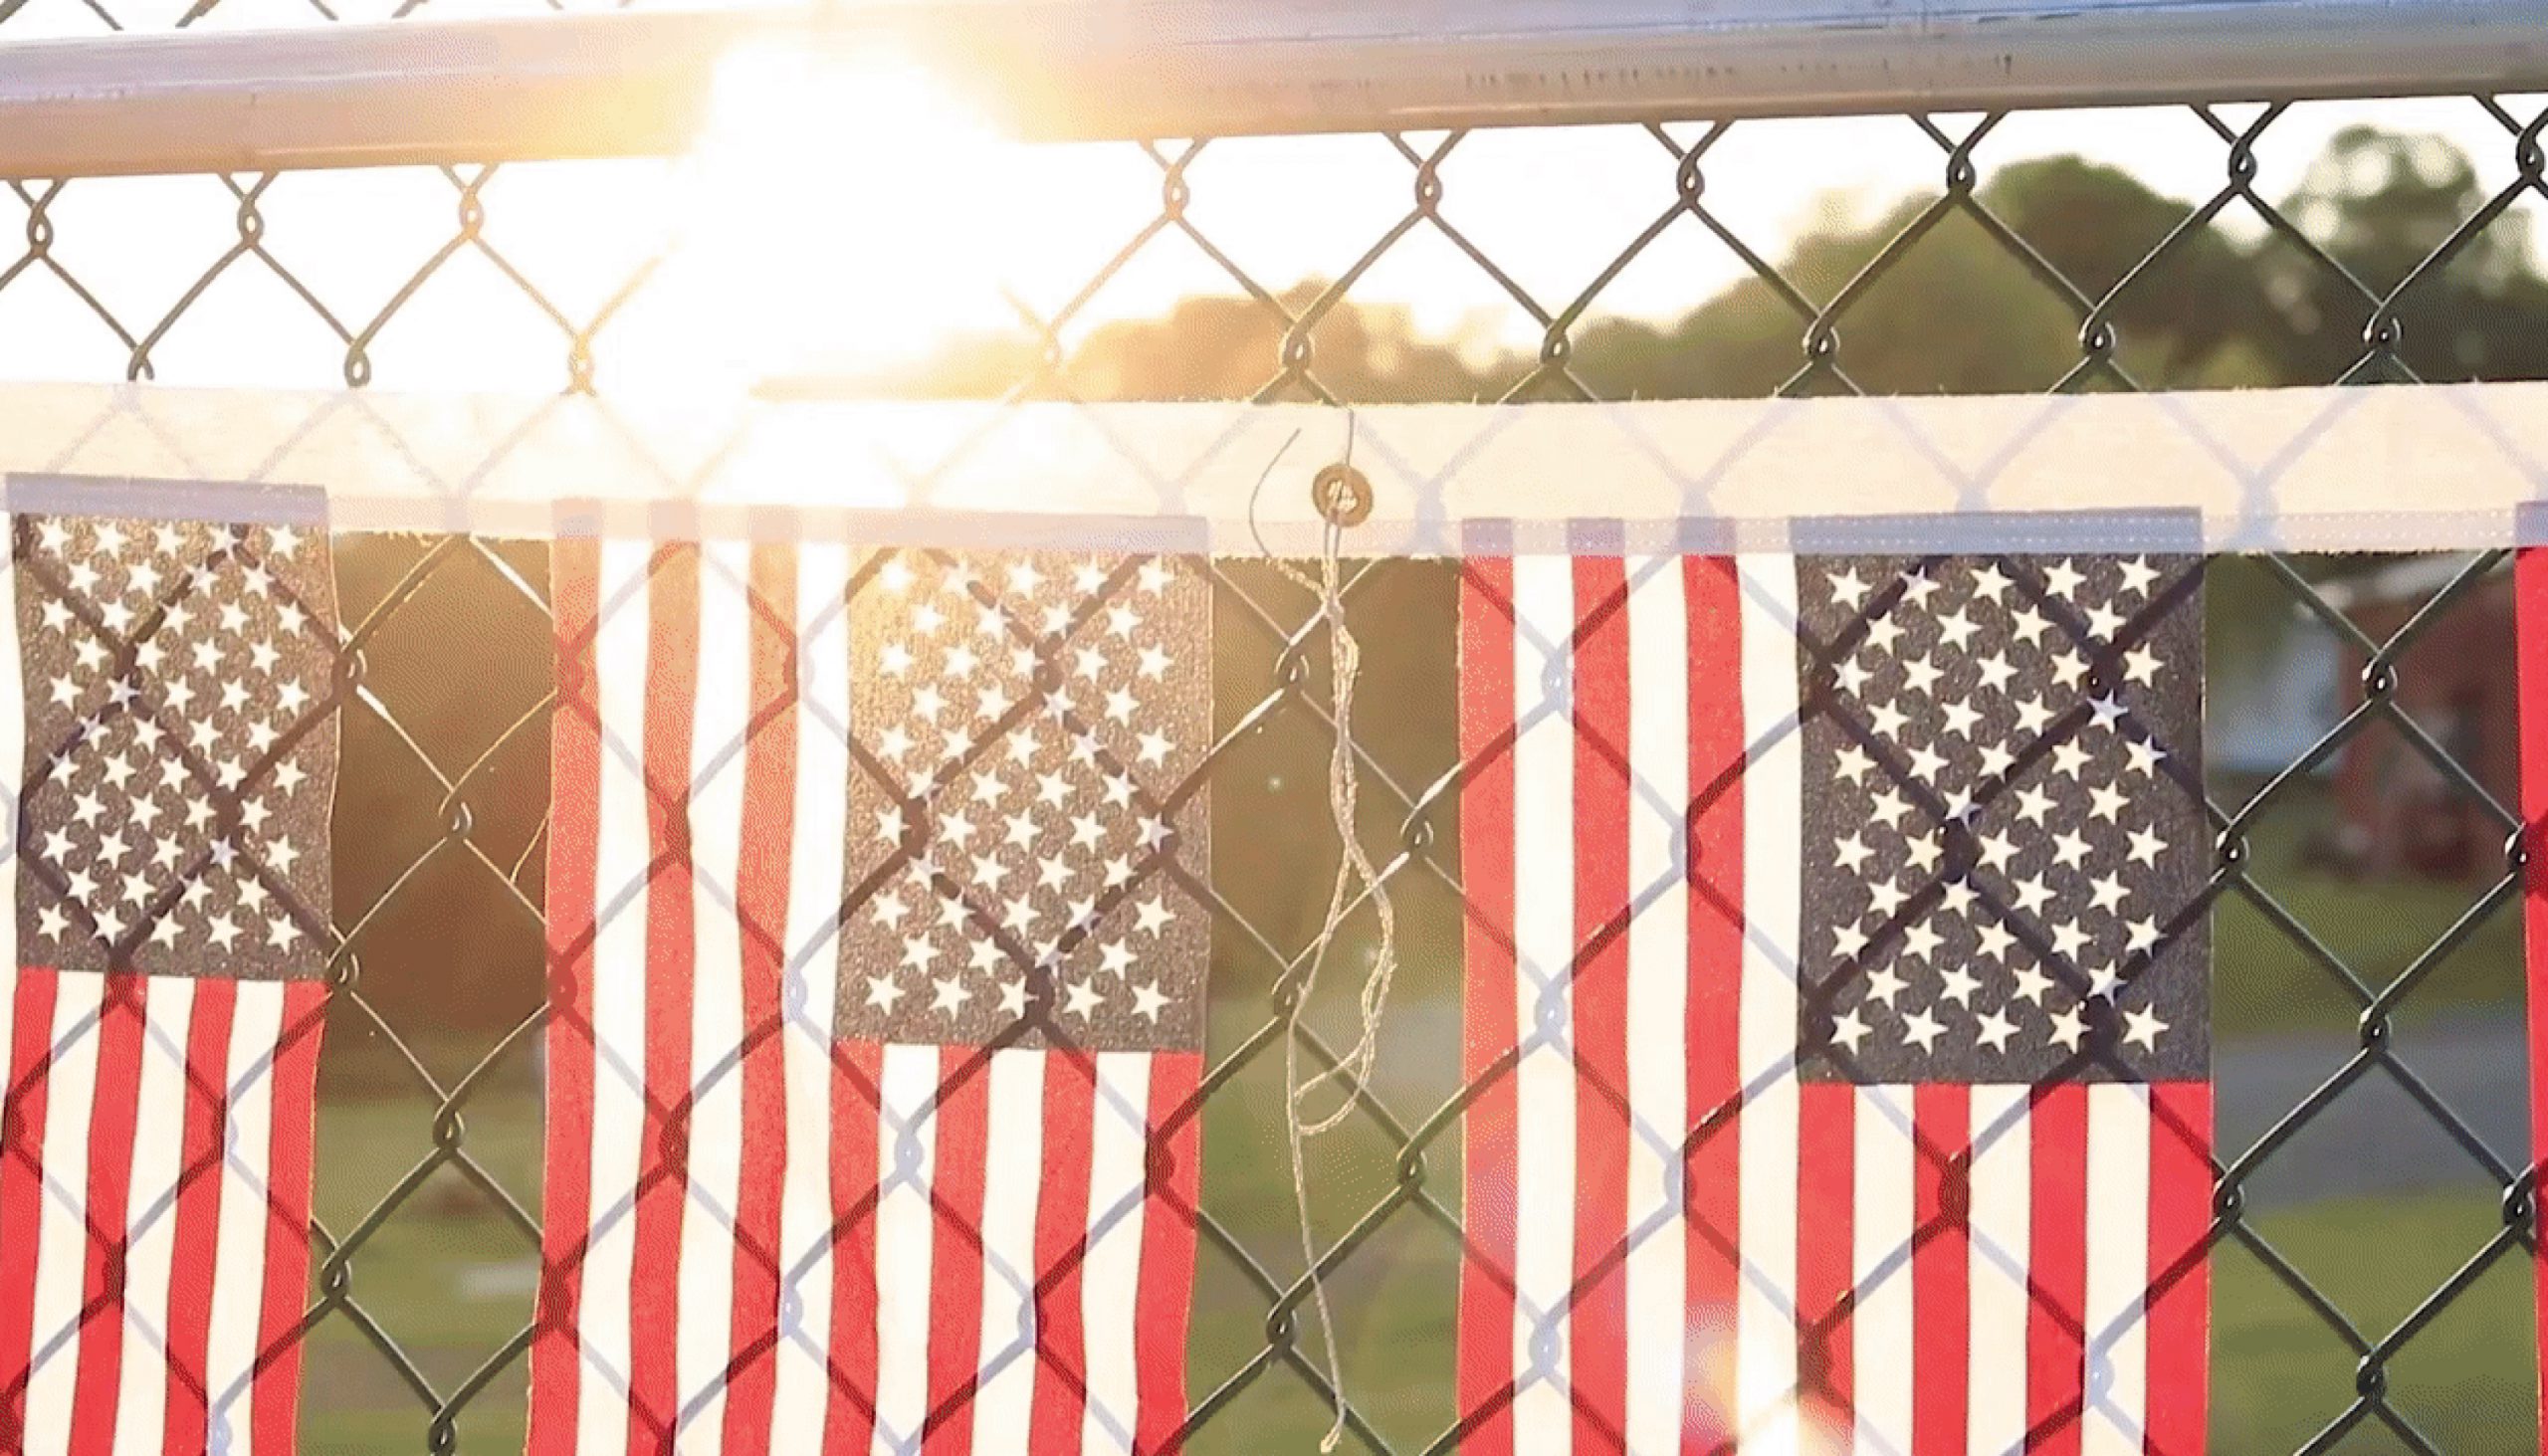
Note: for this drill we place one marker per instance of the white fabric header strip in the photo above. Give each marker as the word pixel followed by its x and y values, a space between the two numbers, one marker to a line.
pixel 2395 468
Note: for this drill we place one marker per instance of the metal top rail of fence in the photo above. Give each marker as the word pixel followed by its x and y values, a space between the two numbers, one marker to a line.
pixel 416 1340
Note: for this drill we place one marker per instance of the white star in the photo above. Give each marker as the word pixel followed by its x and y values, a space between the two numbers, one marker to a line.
pixel 2069 759
pixel 1917 586
pixel 1848 942
pixel 2143 1027
pixel 1152 916
pixel 1851 763
pixel 1888 719
pixel 2067 1029
pixel 2104 621
pixel 1012 999
pixel 2061 578
pixel 1994 850
pixel 1883 984
pixel 1890 808
pixel 1992 582
pixel 2032 895
pixel 1853 852
pixel 2141 665
pixel 951 995
pixel 2108 893
pixel 1155 575
pixel 1848 591
pixel 1147 1002
pixel 1022 576
pixel 1996 672
pixel 1996 1030
pixel 2031 716
pixel 1920 675
pixel 1084 1000
pixel 2145 755
pixel 1920 942
pixel 1853 676
pixel 1927 763
pixel 1923 1028
pixel 1882 633
pixel 2107 709
pixel 1996 760
pixel 1960 985
pixel 2138 575
pixel 2069 849
pixel 1957 628
pixel 2108 802
pixel 1154 749
pixel 1849 1029
pixel 1887 897
pixel 2034 804
pixel 2028 625
pixel 2144 935
pixel 223 930
pixel 2068 941
pixel 2033 983
pixel 1996 941
pixel 882 993
pixel 1962 719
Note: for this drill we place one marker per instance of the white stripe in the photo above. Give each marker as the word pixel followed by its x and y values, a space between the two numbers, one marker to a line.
pixel 1885 1208
pixel 151 1217
pixel 1765 1308
pixel 62 1238
pixel 1997 1265
pixel 1110 1278
pixel 620 657
pixel 720 717
pixel 1658 999
pixel 1003 1402
pixel 802 1389
pixel 906 1088
pixel 239 1259
pixel 2118 1268
pixel 1543 943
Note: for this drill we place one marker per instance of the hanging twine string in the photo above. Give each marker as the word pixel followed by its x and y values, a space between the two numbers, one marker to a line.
pixel 1343 497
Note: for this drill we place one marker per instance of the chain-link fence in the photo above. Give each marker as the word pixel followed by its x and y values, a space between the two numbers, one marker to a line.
pixel 2374 1219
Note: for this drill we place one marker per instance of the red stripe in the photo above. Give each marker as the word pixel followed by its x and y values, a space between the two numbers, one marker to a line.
pixel 1597 1319
pixel 1825 1283
pixel 1165 1300
pixel 857 1069
pixel 22 1113
pixel 2530 590
pixel 113 1108
pixel 1489 1030
pixel 197 1231
pixel 574 841
pixel 663 1178
pixel 761 906
pixel 1718 742
pixel 2057 1256
pixel 2180 1300
pixel 962 1124
pixel 275 1387
pixel 1941 1260
pixel 1061 1245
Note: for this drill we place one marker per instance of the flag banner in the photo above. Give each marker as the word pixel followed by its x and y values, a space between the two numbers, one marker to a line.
pixel 878 929
pixel 2530 590
pixel 176 679
pixel 2431 467
pixel 1838 990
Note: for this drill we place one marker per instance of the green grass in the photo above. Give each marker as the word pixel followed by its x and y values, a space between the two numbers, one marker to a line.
pixel 449 1279
pixel 2265 980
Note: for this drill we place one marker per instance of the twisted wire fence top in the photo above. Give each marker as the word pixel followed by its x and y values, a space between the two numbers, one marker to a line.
pixel 2392 260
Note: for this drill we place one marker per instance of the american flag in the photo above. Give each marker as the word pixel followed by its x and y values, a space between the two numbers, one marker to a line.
pixel 1837 981
pixel 175 730
pixel 878 968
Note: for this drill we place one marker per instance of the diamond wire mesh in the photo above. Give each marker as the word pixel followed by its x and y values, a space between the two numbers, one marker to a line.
pixel 445 779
